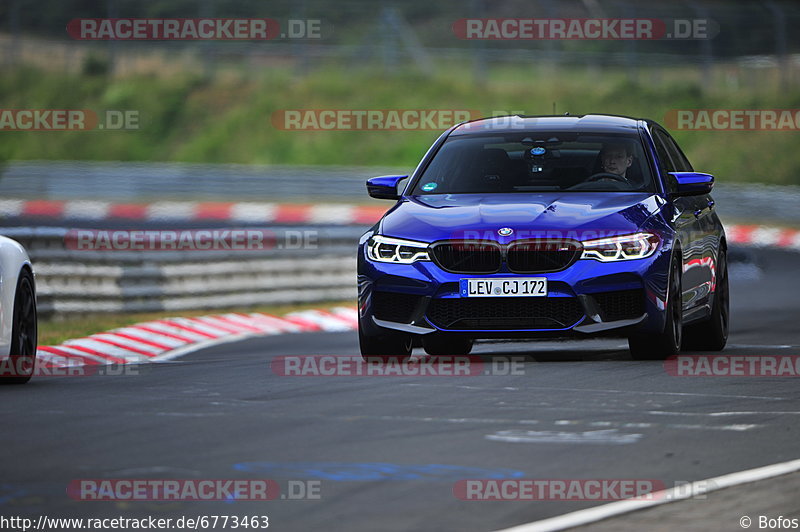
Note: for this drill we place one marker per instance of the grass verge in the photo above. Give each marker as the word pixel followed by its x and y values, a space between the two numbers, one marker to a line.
pixel 228 118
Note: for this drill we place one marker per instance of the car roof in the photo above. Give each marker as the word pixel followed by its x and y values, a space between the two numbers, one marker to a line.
pixel 592 123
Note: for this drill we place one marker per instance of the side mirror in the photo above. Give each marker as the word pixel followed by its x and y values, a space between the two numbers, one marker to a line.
pixel 385 186
pixel 692 183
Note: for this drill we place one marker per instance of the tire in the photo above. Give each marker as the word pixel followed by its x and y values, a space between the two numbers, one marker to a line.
pixel 24 332
pixel 391 344
pixel 437 344
pixel 712 334
pixel 667 343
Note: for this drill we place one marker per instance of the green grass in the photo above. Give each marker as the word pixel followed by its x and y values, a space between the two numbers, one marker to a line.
pixel 227 119
pixel 56 331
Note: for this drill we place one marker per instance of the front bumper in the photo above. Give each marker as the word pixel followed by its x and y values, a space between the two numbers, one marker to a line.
pixel 587 298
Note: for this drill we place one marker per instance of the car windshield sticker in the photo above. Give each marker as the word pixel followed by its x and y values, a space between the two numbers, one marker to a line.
pixel 538 150
pixel 427 187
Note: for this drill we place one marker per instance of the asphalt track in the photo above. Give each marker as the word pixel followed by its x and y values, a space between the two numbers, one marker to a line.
pixel 387 451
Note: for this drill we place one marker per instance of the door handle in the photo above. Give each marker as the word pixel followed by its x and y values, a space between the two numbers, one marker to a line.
pixel 711 203
pixel 698 212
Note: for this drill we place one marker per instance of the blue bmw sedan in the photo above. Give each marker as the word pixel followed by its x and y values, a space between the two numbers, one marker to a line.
pixel 547 226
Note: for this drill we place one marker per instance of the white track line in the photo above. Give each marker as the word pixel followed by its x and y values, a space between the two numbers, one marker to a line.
pixel 598 513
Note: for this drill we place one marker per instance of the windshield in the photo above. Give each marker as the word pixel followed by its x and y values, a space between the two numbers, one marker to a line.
pixel 537 162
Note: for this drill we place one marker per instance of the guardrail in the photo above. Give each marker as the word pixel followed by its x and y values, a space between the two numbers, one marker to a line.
pixel 74 281
pixel 138 181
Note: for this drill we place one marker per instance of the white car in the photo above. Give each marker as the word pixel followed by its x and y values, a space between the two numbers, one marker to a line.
pixel 18 323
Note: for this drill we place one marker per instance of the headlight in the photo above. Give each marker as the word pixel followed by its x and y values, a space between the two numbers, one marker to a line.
pixel 386 249
pixel 627 247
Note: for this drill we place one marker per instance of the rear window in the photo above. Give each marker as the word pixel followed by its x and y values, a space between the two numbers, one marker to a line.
pixel 540 162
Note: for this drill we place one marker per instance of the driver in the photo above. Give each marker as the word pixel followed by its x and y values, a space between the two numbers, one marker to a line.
pixel 616 158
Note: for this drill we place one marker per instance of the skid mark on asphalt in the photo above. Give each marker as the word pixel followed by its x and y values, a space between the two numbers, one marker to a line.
pixel 458 420
pixel 567 422
pixel 572 423
pixel 720 414
pixel 635 425
pixel 632 392
pixel 750 346
pixel 610 436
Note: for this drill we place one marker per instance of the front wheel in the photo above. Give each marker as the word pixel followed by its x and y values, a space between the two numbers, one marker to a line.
pixel 22 357
pixel 668 342
pixel 390 344
pixel 712 334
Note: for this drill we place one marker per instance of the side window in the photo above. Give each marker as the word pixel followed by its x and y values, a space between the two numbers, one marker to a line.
pixel 681 162
pixel 678 158
pixel 663 155
pixel 666 161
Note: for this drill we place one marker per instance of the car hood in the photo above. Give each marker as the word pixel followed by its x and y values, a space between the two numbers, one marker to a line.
pixel 578 215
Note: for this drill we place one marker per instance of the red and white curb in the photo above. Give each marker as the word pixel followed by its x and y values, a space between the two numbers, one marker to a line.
pixel 165 211
pixel 763 236
pixel 160 340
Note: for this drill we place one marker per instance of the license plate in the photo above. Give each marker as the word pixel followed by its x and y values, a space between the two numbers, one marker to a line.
pixel 512 287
